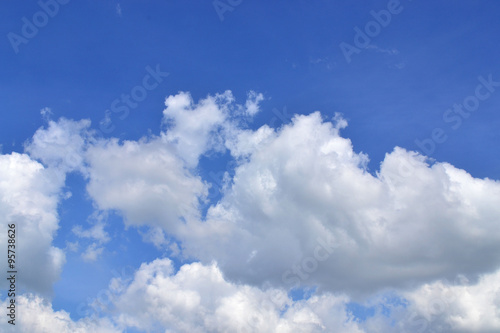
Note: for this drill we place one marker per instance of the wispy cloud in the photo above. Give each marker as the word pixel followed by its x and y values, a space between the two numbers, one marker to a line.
pixel 388 51
pixel 118 9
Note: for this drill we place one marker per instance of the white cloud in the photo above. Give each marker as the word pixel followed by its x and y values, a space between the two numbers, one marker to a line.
pixel 159 239
pixel 301 208
pixel 35 315
pixel 252 103
pixel 295 186
pixel 457 307
pixel 145 181
pixel 198 299
pixel 397 229
pixel 61 145
pixel 245 142
pixel 195 129
pixel 29 195
pixel 92 252
pixel 46 113
pixel 192 127
pixel 96 232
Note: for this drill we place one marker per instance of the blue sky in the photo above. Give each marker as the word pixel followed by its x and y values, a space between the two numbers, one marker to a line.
pixel 288 51
pixel 281 61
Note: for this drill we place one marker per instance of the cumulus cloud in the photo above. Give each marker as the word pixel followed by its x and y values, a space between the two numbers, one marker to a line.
pixel 35 314
pixel 192 127
pixel 244 142
pixel 145 181
pixel 411 223
pixel 196 298
pixel 456 307
pixel 197 128
pixel 300 208
pixel 61 145
pixel 29 194
pixel 293 189
pixel 199 299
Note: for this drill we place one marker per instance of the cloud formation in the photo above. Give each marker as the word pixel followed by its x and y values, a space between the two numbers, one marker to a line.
pixel 300 209
pixel 198 298
pixel 305 182
pixel 36 315
pixel 61 144
pixel 29 195
pixel 145 181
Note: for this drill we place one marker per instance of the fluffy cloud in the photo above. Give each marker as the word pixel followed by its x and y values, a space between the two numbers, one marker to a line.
pixel 151 181
pixel 252 103
pixel 304 186
pixel 29 194
pixel 192 126
pixel 195 129
pixel 61 145
pixel 301 206
pixel 35 314
pixel 145 181
pixel 456 307
pixel 242 143
pixel 198 299
pixel 300 209
pixel 442 306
